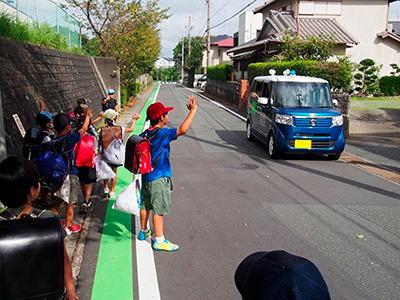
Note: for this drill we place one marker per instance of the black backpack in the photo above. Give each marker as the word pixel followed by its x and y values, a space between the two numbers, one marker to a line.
pixel 33 137
pixel 31 257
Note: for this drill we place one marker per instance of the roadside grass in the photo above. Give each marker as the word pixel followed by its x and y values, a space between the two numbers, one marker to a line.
pixel 378 103
pixel 43 35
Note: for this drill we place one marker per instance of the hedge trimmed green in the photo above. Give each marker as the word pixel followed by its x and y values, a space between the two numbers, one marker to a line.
pixel 337 74
pixel 390 85
pixel 220 72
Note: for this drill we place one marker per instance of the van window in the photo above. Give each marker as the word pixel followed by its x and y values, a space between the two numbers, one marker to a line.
pixel 299 94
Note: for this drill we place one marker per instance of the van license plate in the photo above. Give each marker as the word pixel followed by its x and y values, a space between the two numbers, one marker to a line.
pixel 304 144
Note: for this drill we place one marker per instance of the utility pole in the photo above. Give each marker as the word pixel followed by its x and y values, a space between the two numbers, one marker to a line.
pixel 189 27
pixel 208 35
pixel 183 57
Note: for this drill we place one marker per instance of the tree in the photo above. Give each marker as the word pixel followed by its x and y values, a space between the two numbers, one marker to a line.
pixel 136 52
pixel 191 63
pixel 111 19
pixel 366 80
pixel 312 48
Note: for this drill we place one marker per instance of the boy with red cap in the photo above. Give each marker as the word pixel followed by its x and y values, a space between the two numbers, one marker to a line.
pixel 156 189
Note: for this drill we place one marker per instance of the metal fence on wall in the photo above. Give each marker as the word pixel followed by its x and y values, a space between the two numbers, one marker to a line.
pixel 45 11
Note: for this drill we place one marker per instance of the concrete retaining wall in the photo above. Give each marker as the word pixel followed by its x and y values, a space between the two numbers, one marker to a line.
pixel 29 73
pixel 226 90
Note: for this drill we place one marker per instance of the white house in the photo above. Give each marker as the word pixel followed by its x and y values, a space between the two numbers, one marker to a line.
pixel 218 48
pixel 164 62
pixel 249 26
pixel 360 28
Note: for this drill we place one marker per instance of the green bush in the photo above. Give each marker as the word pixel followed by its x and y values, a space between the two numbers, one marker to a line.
pixel 220 72
pixel 337 74
pixel 137 88
pixel 390 85
pixel 124 95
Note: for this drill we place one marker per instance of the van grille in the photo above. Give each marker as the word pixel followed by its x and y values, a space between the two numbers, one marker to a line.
pixel 316 144
pixel 312 122
pixel 312 134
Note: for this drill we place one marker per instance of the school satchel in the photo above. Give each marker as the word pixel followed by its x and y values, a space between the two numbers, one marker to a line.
pixel 108 133
pixel 138 153
pixel 115 152
pixel 84 151
pixel 31 259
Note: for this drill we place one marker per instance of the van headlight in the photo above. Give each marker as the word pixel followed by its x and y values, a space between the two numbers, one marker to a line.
pixel 284 119
pixel 337 121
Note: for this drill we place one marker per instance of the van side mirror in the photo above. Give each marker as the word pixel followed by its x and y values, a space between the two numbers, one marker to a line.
pixel 263 101
pixel 335 102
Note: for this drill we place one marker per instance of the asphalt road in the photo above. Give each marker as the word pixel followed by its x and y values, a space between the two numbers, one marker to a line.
pixel 231 200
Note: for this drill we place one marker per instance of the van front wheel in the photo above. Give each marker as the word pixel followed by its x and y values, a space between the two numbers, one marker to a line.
pixel 249 134
pixel 334 156
pixel 272 152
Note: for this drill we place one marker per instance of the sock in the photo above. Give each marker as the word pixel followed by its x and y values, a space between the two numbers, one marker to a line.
pixel 160 239
pixel 145 230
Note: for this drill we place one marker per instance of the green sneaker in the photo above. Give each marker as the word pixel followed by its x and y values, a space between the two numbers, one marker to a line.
pixel 166 246
pixel 142 235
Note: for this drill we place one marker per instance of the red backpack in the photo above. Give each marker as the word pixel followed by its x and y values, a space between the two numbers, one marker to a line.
pixel 138 154
pixel 84 151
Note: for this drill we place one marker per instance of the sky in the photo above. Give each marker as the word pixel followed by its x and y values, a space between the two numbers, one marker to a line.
pixel 173 29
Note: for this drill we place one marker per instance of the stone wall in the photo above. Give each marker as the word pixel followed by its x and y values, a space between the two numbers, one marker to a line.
pixel 344 108
pixel 29 73
pixel 226 90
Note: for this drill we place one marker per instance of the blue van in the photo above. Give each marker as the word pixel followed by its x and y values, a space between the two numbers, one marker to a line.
pixel 294 114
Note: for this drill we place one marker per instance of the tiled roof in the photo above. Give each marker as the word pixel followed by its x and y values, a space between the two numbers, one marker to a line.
pixel 224 43
pixel 218 38
pixel 221 41
pixel 282 21
pixel 396 27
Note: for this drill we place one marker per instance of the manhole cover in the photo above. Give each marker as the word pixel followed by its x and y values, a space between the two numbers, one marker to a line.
pixel 241 166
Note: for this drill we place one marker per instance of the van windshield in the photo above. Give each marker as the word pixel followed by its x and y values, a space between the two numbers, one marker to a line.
pixel 303 94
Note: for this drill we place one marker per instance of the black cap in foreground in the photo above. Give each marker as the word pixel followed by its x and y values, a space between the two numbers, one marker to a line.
pixel 279 275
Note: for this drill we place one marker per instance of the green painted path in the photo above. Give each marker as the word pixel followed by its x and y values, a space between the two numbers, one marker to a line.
pixel 114 274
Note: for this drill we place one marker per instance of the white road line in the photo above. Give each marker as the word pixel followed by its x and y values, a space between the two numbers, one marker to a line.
pixel 220 105
pixel 146 267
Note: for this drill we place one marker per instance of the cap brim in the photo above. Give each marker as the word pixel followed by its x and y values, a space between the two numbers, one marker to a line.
pixel 244 268
pixel 167 109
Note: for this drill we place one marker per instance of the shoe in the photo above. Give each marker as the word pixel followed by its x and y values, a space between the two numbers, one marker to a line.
pixel 143 235
pixel 63 223
pixel 106 192
pixel 112 194
pixel 166 246
pixel 72 229
pixel 83 208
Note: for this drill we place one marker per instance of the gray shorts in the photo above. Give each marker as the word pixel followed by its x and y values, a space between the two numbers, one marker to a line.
pixel 156 196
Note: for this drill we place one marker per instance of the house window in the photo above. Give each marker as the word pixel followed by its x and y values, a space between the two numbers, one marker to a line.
pixel 219 52
pixel 320 7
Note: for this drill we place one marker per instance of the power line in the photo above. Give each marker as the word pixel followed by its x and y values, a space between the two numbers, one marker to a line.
pixel 226 20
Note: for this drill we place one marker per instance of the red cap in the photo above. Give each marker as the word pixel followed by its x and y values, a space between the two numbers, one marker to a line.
pixel 156 110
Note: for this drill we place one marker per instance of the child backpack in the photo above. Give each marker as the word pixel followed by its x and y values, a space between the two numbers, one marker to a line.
pixel 50 162
pixel 84 151
pixel 31 142
pixel 138 153
pixel 31 257
pixel 114 153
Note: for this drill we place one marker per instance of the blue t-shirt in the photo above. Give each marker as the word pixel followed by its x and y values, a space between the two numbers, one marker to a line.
pixel 160 142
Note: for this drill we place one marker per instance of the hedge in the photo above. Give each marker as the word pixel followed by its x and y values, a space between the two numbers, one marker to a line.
pixel 390 85
pixel 220 72
pixel 337 74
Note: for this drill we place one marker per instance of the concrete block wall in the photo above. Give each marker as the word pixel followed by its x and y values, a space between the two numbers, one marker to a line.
pixel 29 73
pixel 226 90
